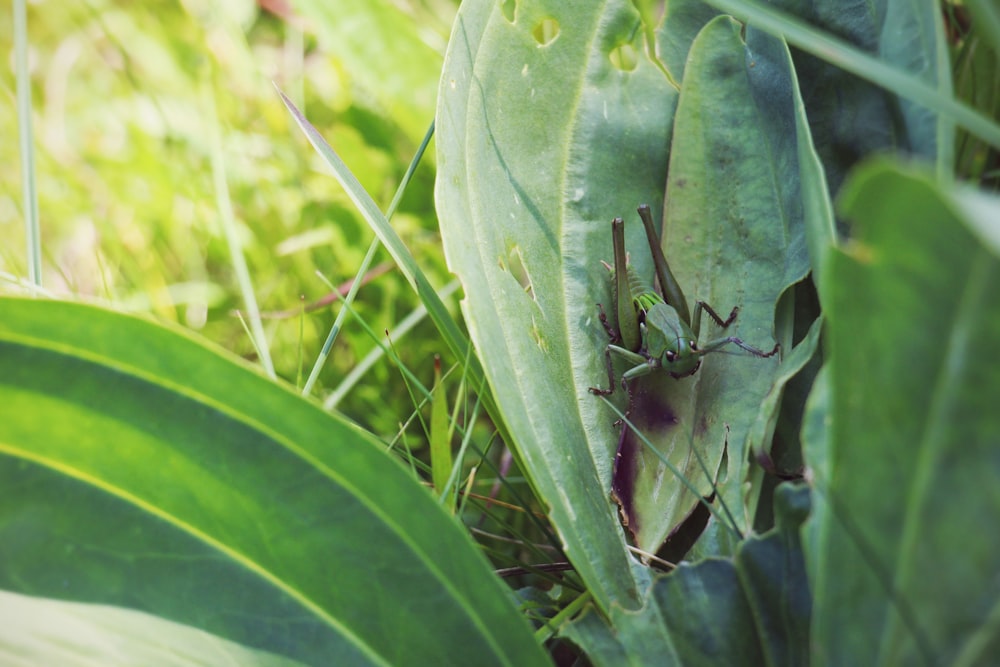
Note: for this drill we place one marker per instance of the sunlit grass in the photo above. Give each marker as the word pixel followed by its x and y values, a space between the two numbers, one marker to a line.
pixel 171 182
pixel 128 181
pixel 150 201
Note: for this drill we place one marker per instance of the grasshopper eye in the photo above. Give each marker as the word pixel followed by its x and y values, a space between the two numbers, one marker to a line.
pixel 670 355
pixel 694 346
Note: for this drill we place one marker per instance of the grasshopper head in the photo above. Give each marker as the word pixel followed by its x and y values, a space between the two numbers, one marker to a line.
pixel 683 361
pixel 670 341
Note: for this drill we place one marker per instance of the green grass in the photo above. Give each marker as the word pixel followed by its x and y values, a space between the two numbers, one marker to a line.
pixel 163 174
pixel 164 159
pixel 172 181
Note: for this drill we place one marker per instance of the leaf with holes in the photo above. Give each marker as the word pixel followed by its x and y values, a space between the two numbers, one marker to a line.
pixel 552 120
pixel 536 124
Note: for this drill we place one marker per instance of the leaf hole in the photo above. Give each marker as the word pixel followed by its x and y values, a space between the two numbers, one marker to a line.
pixel 624 57
pixel 514 265
pixel 546 31
pixel 536 335
pixel 509 9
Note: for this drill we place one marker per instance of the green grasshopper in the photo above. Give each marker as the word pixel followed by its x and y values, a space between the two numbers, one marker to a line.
pixel 656 332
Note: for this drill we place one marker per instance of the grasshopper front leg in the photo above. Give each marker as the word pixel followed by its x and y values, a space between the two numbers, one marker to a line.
pixel 613 335
pixel 630 356
pixel 641 366
pixel 701 306
pixel 713 345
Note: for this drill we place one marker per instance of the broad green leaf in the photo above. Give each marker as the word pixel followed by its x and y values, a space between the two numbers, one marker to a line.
pixel 849 56
pixel 734 237
pixel 542 140
pixel 750 610
pixel 817 205
pixel 618 155
pixel 681 25
pixel 143 470
pixel 815 437
pixel 904 553
pixel 552 121
pixel 762 431
pixel 38 631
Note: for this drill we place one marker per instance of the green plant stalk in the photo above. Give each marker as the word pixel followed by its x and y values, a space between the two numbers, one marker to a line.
pixel 29 189
pixel 546 632
pixel 228 220
pixel 365 264
pixel 440 440
pixel 403 328
pixel 324 353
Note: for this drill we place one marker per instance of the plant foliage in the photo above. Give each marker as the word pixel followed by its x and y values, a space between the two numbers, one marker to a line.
pixel 810 163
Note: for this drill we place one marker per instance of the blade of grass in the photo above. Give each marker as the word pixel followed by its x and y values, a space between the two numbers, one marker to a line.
pixel 386 348
pixel 404 327
pixel 339 321
pixel 723 515
pixel 457 342
pixel 440 440
pixel 29 191
pixel 228 220
pixel 849 58
pixel 452 486
pixel 365 265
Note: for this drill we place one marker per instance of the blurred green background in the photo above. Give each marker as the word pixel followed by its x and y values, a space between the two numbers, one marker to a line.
pixel 126 100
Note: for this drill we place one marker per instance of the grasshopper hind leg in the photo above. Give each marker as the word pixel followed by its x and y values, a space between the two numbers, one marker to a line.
pixel 613 335
pixel 611 376
pixel 611 331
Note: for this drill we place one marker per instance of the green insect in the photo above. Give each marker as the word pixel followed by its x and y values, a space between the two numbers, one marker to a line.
pixel 656 332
